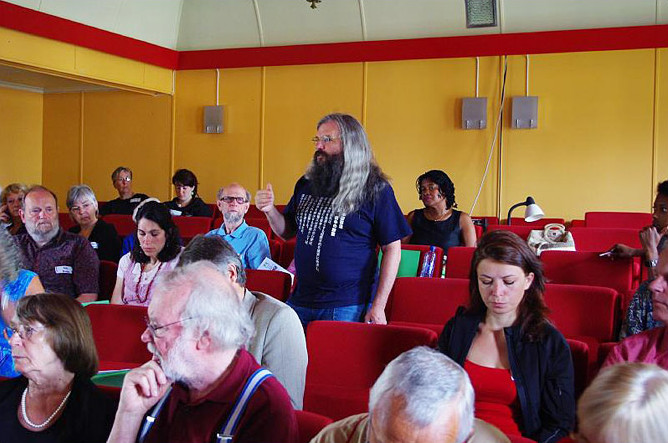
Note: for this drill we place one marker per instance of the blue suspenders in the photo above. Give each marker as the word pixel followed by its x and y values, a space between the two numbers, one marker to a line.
pixel 229 427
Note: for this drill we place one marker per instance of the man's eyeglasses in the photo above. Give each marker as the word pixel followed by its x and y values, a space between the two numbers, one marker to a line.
pixel 230 199
pixel 24 332
pixel 154 329
pixel 123 179
pixel 324 139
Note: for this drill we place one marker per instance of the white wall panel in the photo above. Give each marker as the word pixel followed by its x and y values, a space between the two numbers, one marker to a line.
pixel 544 15
pixel 214 24
pixel 294 22
pixel 99 13
pixel 662 12
pixel 417 19
pixel 151 22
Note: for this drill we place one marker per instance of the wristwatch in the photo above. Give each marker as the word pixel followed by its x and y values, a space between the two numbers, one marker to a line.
pixel 651 263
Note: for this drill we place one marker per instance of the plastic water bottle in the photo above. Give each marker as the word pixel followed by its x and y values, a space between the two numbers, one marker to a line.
pixel 428 261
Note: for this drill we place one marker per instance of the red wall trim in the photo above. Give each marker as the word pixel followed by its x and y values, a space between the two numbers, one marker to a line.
pixel 56 28
pixel 38 23
pixel 636 37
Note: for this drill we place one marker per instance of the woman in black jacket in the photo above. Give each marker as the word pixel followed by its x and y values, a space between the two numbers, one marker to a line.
pixel 519 364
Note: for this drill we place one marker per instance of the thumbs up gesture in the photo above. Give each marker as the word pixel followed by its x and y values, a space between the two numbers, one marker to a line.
pixel 264 199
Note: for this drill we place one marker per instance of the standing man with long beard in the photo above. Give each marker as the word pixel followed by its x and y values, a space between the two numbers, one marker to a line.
pixel 341 209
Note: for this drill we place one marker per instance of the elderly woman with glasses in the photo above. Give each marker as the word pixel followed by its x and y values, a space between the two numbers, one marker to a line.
pixel 12 198
pixel 54 399
pixel 15 283
pixel 187 202
pixel 102 236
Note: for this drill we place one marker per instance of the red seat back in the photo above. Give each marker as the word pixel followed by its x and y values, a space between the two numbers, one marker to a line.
pixel 117 330
pixel 309 424
pixel 522 231
pixel 458 264
pixel 583 310
pixel 191 226
pixel 538 224
pixel 287 252
pixel 427 301
pixel 260 222
pixel 587 268
pixel 438 265
pixel 65 221
pixel 602 239
pixel 275 283
pixel 629 220
pixel 275 247
pixel 345 359
pixel 123 223
pixel 580 356
pixel 107 279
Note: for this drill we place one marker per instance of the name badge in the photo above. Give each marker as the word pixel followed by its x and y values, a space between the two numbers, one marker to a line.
pixel 63 269
pixel 94 245
pixel 135 200
pixel 175 212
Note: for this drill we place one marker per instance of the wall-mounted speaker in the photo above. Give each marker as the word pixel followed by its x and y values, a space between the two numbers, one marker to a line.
pixel 213 119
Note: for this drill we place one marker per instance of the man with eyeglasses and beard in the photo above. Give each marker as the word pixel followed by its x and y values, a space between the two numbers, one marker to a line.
pixel 341 210
pixel 251 243
pixel 201 385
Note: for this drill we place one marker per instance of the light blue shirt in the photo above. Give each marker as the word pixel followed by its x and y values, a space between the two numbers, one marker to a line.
pixel 250 243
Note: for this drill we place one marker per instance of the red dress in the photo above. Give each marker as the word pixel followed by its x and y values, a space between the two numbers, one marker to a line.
pixel 495 397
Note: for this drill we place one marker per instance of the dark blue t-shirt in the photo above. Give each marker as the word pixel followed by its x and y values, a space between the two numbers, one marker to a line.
pixel 335 255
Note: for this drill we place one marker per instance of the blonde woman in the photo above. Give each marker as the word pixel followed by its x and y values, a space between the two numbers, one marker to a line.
pixel 625 403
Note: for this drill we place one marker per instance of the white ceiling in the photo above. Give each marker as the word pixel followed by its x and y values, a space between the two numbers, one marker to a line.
pixel 217 24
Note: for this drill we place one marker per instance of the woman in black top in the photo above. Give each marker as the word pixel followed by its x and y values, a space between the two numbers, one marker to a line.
pixel 54 400
pixel 439 224
pixel 102 236
pixel 187 202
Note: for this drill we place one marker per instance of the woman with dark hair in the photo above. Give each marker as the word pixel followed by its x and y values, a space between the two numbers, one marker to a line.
pixel 156 250
pixel 519 364
pixel 54 399
pixel 439 223
pixel 187 202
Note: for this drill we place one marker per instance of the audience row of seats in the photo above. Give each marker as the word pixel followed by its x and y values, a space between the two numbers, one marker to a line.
pixel 593 219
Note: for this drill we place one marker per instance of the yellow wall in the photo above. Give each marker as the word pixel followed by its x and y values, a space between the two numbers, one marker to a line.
pixel 600 144
pixel 21 136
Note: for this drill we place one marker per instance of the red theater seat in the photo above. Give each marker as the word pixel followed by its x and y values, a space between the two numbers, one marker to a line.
pixel 629 220
pixel 107 279
pixel 261 223
pixel 345 359
pixel 117 330
pixel 65 221
pixel 587 268
pixel 310 424
pixel 123 223
pixel 602 239
pixel 192 226
pixel 426 302
pixel 275 283
pixel 438 265
pixel 522 231
pixel 287 252
pixel 458 264
pixel 580 355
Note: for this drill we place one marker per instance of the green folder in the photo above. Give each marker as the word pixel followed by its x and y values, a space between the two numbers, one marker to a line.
pixel 409 264
pixel 100 302
pixel 110 378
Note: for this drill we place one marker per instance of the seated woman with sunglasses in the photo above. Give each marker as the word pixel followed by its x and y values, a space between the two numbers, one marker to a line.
pixel 155 252
pixel 54 399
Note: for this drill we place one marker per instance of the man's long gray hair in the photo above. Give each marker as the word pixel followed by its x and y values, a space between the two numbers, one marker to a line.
pixel 361 178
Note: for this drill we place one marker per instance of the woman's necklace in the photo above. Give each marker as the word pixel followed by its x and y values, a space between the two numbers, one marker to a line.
pixel 440 217
pixel 48 420
pixel 148 290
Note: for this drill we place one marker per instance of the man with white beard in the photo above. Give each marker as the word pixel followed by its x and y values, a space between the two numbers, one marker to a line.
pixel 201 385
pixel 65 262
pixel 250 243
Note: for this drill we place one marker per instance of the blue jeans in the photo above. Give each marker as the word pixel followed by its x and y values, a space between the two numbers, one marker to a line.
pixel 354 313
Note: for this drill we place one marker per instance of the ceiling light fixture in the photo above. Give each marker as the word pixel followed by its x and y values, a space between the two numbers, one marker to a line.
pixel 313 3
